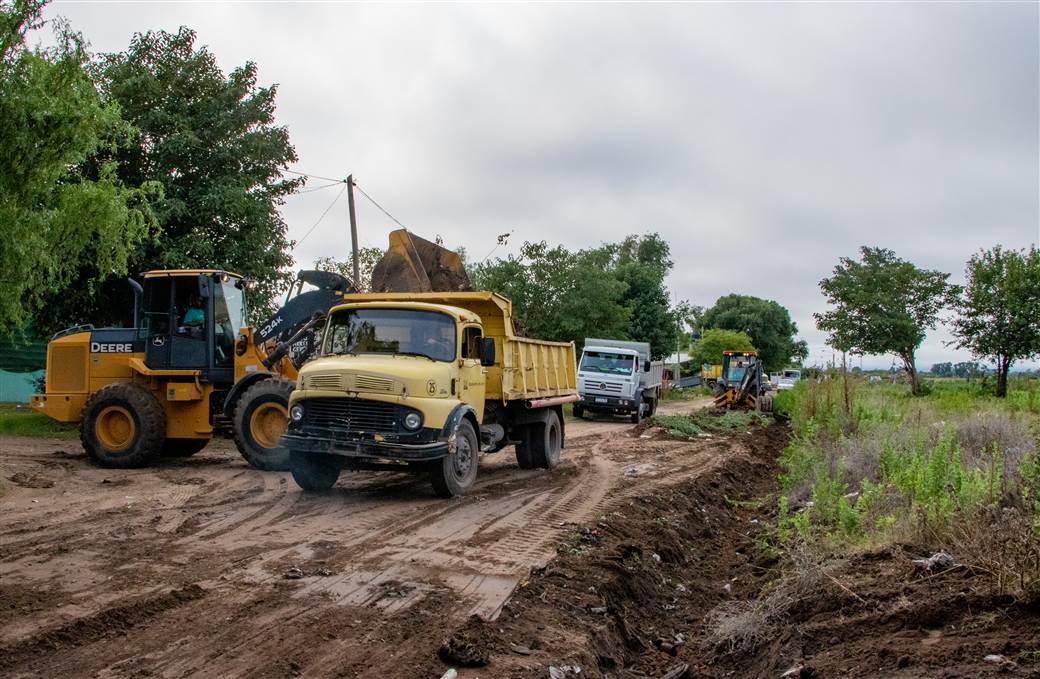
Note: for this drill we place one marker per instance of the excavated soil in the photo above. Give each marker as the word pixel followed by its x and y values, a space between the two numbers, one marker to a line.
pixel 204 567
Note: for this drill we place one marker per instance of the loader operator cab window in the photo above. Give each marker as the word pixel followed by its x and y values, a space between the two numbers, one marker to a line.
pixel 737 368
pixel 189 308
pixel 229 310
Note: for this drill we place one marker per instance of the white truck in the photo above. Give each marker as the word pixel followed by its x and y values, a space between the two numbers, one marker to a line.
pixel 786 379
pixel 618 377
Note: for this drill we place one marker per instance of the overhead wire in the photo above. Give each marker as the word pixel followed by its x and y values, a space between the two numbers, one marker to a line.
pixel 381 208
pixel 310 230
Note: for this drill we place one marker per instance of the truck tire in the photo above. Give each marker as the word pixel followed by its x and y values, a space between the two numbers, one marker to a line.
pixel 123 426
pixel 765 403
pixel 651 406
pixel 637 414
pixel 455 473
pixel 524 457
pixel 183 447
pixel 314 471
pixel 578 410
pixel 261 416
pixel 547 441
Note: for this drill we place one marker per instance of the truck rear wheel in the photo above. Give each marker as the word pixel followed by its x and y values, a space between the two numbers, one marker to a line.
pixel 455 473
pixel 183 447
pixel 546 441
pixel 314 471
pixel 123 426
pixel 261 416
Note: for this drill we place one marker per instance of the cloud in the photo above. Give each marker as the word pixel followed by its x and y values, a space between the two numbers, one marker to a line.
pixel 763 141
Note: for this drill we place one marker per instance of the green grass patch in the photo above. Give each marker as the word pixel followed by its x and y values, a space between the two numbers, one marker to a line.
pixel 705 421
pixel 15 421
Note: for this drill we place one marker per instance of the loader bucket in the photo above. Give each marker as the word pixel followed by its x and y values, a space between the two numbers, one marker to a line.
pixel 414 264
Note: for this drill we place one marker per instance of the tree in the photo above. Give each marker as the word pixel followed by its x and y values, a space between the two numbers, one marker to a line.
pixel 999 311
pixel 211 141
pixel 642 264
pixel 767 323
pixel 367 260
pixel 883 305
pixel 942 369
pixel 557 294
pixel 56 218
pixel 708 349
pixel 614 291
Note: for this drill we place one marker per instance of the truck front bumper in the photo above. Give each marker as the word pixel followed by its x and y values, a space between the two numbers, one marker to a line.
pixel 345 446
pixel 607 404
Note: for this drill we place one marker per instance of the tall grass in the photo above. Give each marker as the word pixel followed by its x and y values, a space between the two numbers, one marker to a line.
pixel 882 466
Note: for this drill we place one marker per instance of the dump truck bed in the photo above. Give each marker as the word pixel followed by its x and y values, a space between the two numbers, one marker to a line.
pixel 524 369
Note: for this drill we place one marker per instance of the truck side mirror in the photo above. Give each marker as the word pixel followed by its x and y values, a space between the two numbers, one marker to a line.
pixel 646 366
pixel 487 351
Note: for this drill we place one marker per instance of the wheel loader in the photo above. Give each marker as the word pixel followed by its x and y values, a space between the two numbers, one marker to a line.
pixel 191 365
pixel 741 383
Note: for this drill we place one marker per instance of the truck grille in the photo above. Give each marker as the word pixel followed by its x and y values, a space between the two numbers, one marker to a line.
pixel 373 383
pixel 351 414
pixel 324 381
pixel 603 387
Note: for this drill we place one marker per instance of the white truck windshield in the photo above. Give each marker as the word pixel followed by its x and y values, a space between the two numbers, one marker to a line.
pixel 607 362
pixel 391 331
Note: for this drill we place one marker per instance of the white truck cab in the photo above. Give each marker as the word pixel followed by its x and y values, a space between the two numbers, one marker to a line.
pixel 618 377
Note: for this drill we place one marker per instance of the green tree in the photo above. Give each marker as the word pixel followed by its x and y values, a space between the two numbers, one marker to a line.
pixel 57 218
pixel 367 260
pixel 557 294
pixel 883 305
pixel 767 323
pixel 999 310
pixel 708 349
pixel 642 264
pixel 211 141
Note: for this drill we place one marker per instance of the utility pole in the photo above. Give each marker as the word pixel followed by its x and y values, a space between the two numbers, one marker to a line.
pixel 353 231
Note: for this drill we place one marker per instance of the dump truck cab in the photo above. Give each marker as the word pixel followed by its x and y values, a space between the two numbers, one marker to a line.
pixel 426 382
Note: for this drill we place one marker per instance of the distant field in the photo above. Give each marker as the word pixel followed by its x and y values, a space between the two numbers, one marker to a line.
pixel 19 420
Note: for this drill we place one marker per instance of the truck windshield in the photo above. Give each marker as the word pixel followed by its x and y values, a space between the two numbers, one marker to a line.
pixel 607 362
pixel 391 331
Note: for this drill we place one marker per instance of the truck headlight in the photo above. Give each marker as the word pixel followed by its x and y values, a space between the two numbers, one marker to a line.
pixel 296 413
pixel 412 421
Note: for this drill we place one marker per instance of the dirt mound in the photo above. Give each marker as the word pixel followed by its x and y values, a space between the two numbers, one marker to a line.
pixel 31 480
pixel 625 592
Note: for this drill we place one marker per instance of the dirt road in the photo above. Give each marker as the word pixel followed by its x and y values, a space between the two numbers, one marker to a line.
pixel 182 570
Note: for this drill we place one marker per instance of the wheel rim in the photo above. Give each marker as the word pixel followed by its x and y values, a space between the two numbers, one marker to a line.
pixel 115 427
pixel 268 423
pixel 463 458
pixel 554 443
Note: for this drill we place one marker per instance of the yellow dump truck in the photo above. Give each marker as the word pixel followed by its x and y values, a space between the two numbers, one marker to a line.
pixel 427 382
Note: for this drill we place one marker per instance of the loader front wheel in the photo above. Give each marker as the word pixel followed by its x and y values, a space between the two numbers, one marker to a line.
pixel 455 473
pixel 123 426
pixel 261 417
pixel 183 447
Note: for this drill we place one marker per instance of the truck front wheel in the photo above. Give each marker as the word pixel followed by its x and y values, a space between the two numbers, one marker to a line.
pixel 455 473
pixel 314 471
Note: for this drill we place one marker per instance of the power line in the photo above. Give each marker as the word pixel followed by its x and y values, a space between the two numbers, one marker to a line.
pixel 381 209
pixel 314 176
pixel 334 201
pixel 317 188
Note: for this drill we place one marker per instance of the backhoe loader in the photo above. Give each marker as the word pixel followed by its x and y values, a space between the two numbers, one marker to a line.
pixel 191 365
pixel 741 383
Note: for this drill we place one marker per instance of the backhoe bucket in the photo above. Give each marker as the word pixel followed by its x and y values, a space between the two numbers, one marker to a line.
pixel 414 264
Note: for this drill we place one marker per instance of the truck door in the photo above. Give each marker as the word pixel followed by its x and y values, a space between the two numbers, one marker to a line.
pixel 472 376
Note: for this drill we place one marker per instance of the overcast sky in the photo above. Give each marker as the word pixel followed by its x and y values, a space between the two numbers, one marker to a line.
pixel 791 132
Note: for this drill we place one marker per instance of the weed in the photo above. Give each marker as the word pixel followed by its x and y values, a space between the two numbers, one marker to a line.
pixel 24 422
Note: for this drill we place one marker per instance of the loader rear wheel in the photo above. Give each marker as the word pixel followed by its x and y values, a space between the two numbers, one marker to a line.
pixel 123 426
pixel 455 473
pixel 548 441
pixel 314 471
pixel 261 416
pixel 183 447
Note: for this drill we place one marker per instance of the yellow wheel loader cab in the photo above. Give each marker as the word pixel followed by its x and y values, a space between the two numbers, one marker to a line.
pixel 427 381
pixel 189 365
